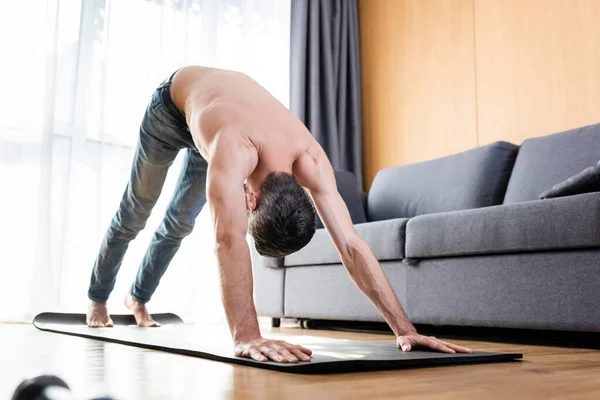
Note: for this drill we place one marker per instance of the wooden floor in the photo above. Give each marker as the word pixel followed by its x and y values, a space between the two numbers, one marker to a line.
pixel 93 367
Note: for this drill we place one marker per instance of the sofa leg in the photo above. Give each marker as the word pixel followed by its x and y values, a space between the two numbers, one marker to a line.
pixel 275 322
pixel 307 323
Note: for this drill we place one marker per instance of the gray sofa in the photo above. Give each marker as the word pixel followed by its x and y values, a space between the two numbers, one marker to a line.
pixel 464 240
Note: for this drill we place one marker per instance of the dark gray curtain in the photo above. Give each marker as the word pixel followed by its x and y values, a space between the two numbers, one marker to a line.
pixel 325 77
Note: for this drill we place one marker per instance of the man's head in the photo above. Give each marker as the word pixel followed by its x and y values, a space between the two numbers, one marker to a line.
pixel 283 219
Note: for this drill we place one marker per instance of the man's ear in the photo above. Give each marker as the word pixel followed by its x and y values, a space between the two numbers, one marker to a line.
pixel 251 201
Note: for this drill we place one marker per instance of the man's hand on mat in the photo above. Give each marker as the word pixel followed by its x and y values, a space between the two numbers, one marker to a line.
pixel 413 339
pixel 275 350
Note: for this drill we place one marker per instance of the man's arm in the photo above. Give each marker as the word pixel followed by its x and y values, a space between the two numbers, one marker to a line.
pixel 225 192
pixel 314 172
pixel 226 195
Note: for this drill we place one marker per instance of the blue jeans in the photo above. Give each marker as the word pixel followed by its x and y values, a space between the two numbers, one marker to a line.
pixel 163 133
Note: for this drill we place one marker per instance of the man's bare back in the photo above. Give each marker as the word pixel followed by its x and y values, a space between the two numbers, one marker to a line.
pixel 222 102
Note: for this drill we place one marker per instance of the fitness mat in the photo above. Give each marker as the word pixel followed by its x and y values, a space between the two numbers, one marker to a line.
pixel 329 355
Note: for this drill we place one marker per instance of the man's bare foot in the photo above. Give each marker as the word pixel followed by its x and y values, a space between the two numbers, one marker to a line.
pixel 97 316
pixel 140 312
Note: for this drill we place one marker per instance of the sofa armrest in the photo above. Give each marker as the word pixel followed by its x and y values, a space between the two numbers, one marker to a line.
pixel 365 199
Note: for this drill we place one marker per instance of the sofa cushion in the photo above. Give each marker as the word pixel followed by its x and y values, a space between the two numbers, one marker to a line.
pixel 347 186
pixel 586 181
pixel 562 223
pixel 471 179
pixel 545 161
pixel 386 239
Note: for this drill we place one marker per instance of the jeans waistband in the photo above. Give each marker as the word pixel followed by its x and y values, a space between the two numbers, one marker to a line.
pixel 164 92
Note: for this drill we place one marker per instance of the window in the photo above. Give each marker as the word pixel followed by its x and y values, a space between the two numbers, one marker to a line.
pixel 78 75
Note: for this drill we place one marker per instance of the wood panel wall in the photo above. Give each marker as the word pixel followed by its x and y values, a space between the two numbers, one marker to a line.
pixel 418 81
pixel 442 76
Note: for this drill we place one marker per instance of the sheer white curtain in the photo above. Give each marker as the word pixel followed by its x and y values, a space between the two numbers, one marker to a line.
pixel 76 78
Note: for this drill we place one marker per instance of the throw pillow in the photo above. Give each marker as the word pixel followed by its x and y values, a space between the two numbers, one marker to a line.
pixel 586 181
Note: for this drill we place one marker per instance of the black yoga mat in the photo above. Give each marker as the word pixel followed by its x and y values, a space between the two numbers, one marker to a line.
pixel 329 355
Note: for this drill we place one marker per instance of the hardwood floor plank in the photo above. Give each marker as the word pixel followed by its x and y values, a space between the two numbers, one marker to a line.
pixel 93 367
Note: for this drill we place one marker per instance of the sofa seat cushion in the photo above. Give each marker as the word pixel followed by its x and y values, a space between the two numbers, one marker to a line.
pixel 555 224
pixel 386 239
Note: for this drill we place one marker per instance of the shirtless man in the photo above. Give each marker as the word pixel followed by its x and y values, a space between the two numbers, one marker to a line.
pixel 262 171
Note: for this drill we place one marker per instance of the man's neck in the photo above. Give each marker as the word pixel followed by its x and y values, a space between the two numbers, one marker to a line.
pixel 260 173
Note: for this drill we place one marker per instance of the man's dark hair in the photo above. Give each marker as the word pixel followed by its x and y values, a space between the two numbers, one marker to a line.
pixel 284 219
